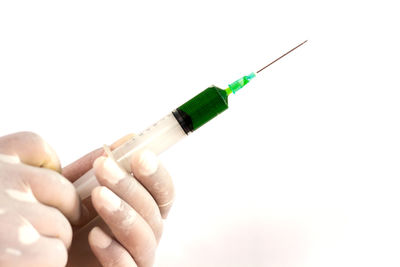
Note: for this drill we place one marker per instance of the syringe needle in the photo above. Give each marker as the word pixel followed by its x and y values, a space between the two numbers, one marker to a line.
pixel 240 83
pixel 281 56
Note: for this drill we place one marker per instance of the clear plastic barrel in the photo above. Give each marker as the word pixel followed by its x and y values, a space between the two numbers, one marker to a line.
pixel 156 138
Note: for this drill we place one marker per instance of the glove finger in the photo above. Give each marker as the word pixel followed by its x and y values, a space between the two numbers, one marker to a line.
pixel 108 251
pixel 128 227
pixel 155 178
pixel 48 221
pixel 49 188
pixel 31 149
pixel 22 245
pixel 109 174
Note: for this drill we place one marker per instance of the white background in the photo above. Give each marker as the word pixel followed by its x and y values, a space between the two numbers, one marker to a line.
pixel 302 170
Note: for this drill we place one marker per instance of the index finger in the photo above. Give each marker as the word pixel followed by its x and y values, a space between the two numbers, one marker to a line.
pixel 50 188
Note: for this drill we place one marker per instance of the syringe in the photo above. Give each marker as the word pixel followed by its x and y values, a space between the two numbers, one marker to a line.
pixel 179 123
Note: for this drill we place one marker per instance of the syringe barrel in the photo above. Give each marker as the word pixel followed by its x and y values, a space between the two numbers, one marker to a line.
pixel 185 119
pixel 157 138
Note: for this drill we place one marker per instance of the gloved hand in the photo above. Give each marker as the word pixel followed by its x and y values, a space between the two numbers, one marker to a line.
pixel 37 204
pixel 127 212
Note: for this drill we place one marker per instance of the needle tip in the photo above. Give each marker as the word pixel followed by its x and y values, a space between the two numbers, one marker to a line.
pixel 263 68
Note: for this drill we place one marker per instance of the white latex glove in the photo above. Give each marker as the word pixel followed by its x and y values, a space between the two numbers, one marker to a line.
pixel 36 204
pixel 127 211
